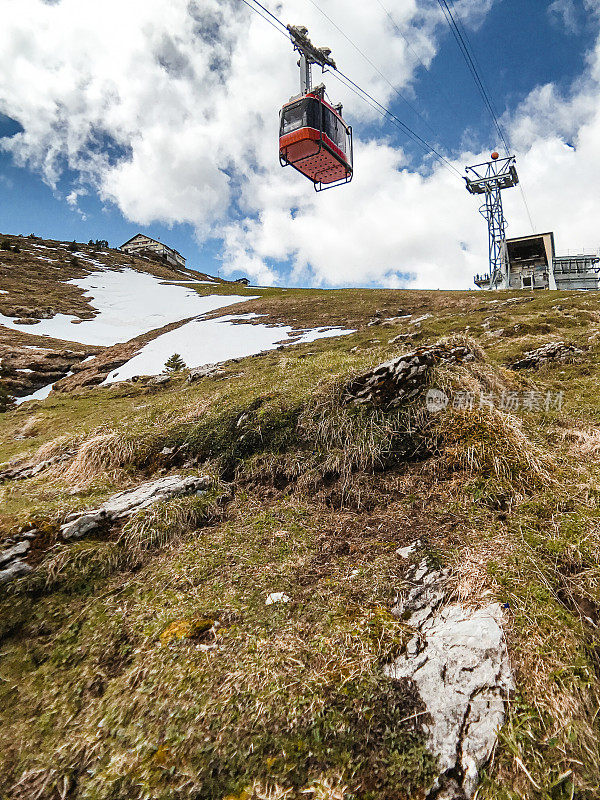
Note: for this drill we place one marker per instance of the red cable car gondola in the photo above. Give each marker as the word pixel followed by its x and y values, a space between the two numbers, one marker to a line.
pixel 315 140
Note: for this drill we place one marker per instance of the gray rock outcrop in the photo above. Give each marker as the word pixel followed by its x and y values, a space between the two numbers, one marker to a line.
pixel 126 503
pixel 14 552
pixel 401 379
pixel 16 569
pixel 403 337
pixel 459 663
pixel 20 471
pixel 35 314
pixel 158 380
pixel 78 525
pixel 553 351
pixel 27 369
pixel 11 560
pixel 205 371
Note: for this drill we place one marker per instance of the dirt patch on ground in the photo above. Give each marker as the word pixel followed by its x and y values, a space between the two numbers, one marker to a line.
pixel 26 369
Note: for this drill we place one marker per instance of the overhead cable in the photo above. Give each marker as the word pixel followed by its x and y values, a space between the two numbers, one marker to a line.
pixel 266 19
pixel 462 39
pixel 375 67
pixel 273 16
pixel 464 49
pixel 467 39
pixel 398 122
pixel 448 101
pixel 364 95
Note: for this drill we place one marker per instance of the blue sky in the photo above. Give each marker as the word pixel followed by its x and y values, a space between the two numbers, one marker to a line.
pixel 520 44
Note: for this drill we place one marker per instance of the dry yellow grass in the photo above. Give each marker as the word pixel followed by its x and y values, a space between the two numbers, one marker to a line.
pixel 68 565
pixel 192 412
pixel 491 443
pixel 53 448
pixel 327 789
pixel 160 524
pixel 324 789
pixel 30 427
pixel 472 583
pixel 584 443
pixel 103 454
pixel 348 440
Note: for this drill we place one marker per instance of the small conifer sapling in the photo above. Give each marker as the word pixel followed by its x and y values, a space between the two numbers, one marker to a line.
pixel 174 363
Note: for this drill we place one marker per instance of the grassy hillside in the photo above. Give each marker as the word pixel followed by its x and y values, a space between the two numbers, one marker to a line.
pixel 116 681
pixel 35 273
pixel 42 278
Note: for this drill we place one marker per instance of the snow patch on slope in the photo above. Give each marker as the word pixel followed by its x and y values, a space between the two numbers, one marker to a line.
pixel 129 303
pixel 40 394
pixel 204 341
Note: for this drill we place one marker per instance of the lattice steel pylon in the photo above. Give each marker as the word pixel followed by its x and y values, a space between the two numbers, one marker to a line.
pixel 490 179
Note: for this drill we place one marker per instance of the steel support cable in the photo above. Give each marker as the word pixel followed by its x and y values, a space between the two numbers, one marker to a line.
pixel 474 57
pixel 266 19
pixel 362 97
pixel 469 60
pixel 476 70
pixel 526 204
pixel 375 67
pixel 273 16
pixel 403 35
pixel 439 90
pixel 366 97
pixel 386 113
pixel 479 73
pixel 472 68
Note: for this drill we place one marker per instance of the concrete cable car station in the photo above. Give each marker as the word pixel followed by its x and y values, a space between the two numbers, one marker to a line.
pixel 525 262
pixel 530 262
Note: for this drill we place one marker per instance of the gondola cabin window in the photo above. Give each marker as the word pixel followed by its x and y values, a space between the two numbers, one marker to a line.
pixel 315 140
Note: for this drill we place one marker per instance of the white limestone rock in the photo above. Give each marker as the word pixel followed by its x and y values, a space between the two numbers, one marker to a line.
pixel 126 503
pixel 205 371
pixel 420 319
pixel 14 552
pixel 16 569
pixel 18 472
pixel 158 380
pixel 459 663
pixel 277 597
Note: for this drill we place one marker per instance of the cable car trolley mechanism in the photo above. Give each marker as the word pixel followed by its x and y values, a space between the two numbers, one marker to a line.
pixel 313 137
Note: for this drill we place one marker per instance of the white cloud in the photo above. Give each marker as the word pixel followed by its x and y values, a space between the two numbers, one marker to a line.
pixel 86 79
pixel 388 221
pixel 73 201
pixel 169 110
pixel 472 14
pixel 564 13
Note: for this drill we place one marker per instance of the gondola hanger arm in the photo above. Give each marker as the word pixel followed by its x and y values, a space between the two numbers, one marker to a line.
pixel 316 55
